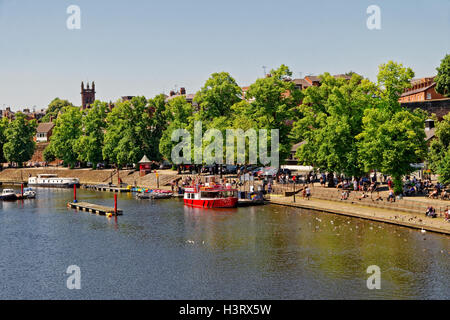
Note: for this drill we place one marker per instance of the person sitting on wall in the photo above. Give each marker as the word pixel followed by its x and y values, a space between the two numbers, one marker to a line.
pixel 431 212
pixel 344 195
pixel 362 196
pixel 434 194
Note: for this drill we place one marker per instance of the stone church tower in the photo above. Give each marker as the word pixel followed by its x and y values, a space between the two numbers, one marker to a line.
pixel 87 95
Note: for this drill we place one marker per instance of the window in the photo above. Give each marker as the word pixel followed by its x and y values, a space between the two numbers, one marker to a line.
pixel 428 96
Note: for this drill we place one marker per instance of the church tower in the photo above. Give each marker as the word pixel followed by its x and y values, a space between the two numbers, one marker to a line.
pixel 87 95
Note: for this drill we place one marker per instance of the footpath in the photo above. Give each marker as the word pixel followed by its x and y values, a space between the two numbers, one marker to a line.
pixel 401 212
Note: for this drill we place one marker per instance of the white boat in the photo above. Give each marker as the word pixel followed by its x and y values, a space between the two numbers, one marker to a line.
pixel 52 180
pixel 29 193
pixel 8 194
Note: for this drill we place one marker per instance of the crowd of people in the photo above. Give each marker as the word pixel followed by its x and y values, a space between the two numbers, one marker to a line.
pixel 364 187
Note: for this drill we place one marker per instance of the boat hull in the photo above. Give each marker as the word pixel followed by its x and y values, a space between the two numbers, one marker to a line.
pixel 212 203
pixel 54 185
pixel 8 197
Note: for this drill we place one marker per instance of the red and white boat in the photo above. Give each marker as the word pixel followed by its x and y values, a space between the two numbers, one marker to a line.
pixel 211 196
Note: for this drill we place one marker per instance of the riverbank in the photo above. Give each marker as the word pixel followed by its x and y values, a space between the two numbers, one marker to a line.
pixel 89 176
pixel 406 219
pixel 408 212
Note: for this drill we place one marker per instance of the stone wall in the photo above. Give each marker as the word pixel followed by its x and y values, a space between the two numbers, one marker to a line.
pixel 439 107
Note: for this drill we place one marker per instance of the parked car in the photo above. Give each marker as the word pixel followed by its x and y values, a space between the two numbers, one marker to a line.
pixel 285 171
pixel 230 169
pixel 165 165
pixel 248 169
pixel 269 172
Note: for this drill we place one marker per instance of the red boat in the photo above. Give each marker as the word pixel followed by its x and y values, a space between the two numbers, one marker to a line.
pixel 215 196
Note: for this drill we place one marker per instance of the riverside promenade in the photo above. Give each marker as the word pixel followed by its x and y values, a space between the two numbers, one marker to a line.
pixel 359 210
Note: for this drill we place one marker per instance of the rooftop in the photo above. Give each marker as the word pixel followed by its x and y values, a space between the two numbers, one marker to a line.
pixel 45 127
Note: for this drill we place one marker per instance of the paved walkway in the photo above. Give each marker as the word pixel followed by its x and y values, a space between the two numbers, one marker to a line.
pixel 384 215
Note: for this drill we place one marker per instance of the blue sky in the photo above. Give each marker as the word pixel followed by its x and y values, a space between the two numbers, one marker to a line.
pixel 142 47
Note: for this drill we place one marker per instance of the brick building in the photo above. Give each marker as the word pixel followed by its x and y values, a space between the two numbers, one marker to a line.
pixel 182 92
pixel 44 131
pixel 421 90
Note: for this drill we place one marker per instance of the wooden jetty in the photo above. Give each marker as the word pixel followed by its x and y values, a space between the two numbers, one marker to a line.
pixel 94 208
pixel 248 202
pixel 102 187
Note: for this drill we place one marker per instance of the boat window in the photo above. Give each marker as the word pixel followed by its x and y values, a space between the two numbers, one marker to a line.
pixel 210 195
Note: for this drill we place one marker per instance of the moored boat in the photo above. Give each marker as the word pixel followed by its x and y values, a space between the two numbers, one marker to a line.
pixel 211 196
pixel 155 194
pixel 29 193
pixel 8 194
pixel 52 181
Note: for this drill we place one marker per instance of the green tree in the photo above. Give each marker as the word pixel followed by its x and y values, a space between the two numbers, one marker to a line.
pixel 393 79
pixel 273 103
pixel 48 154
pixel 121 144
pixel 217 96
pixel 19 145
pixel 391 142
pixel 54 108
pixel 243 119
pixel 439 155
pixel 158 119
pixel 4 122
pixel 179 114
pixel 66 134
pixel 89 145
pixel 332 119
pixel 443 77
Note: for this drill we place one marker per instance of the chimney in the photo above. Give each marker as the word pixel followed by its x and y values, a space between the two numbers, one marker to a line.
pixel 429 124
pixel 182 90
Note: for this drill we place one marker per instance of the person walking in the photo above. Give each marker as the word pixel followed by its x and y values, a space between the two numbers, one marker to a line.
pixel 308 193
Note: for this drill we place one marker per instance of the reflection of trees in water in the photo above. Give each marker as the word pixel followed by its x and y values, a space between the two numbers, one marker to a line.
pixel 279 239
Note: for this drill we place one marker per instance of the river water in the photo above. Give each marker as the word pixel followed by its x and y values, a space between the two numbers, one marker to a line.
pixel 163 250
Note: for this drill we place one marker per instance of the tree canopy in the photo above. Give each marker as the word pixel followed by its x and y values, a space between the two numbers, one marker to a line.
pixel 4 122
pixel 217 96
pixel 54 108
pixel 332 120
pixel 443 77
pixel 439 155
pixel 65 135
pixel 391 142
pixel 273 103
pixel 19 144
pixel 90 143
pixel 393 79
pixel 179 115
